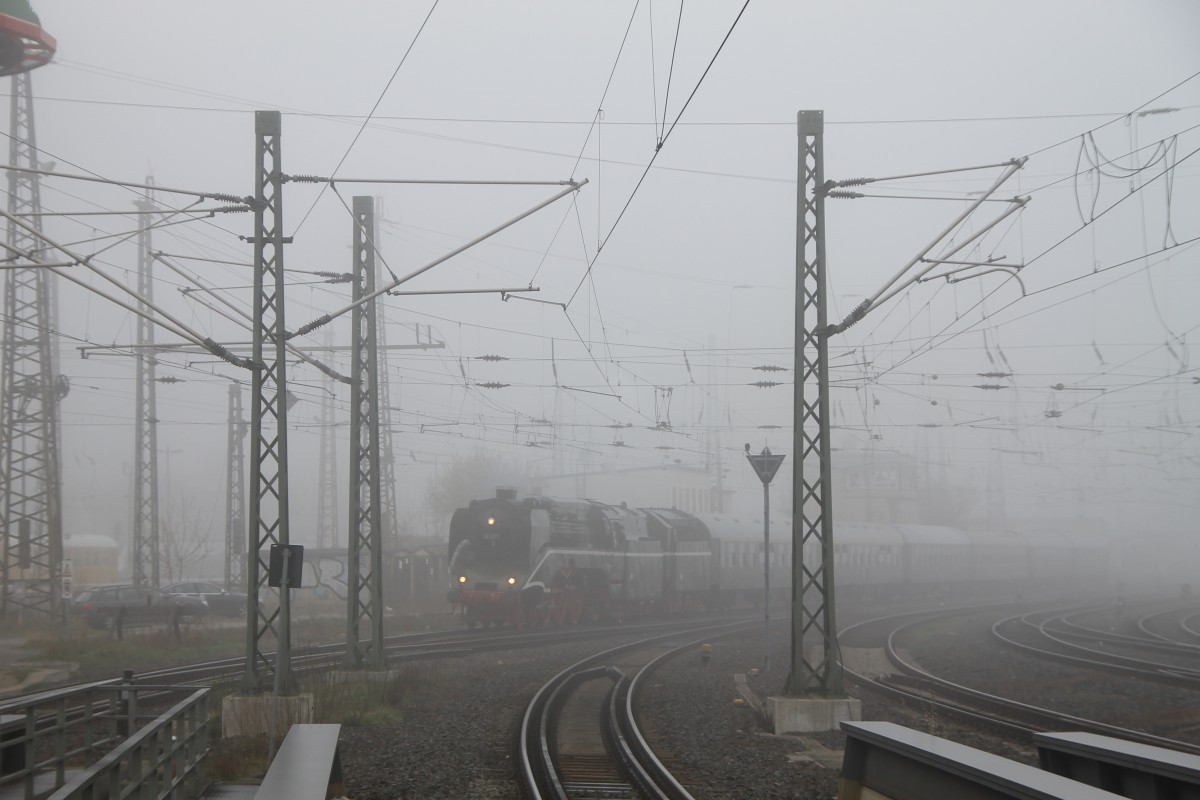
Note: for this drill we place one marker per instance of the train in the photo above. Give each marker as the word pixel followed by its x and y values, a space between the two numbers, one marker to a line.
pixel 535 560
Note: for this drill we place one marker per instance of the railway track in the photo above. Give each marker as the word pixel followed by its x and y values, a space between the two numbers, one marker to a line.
pixel 155 688
pixel 579 735
pixel 1177 623
pixel 1056 635
pixel 445 643
pixel 914 685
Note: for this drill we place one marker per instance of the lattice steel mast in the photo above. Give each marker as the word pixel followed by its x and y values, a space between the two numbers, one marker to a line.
pixel 816 660
pixel 327 494
pixel 364 603
pixel 144 553
pixel 31 509
pixel 268 524
pixel 387 457
pixel 235 495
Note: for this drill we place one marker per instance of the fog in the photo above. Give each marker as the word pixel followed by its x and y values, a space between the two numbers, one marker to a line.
pixel 677 280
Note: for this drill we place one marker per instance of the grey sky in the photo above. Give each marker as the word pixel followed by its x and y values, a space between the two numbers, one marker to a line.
pixel 508 91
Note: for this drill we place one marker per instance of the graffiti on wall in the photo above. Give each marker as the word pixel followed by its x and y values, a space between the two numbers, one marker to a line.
pixel 325 576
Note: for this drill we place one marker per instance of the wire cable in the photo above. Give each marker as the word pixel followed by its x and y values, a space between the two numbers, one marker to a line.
pixel 658 149
pixel 603 95
pixel 370 114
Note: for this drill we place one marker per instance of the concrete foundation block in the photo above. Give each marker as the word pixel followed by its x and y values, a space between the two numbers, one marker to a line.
pixel 811 715
pixel 250 715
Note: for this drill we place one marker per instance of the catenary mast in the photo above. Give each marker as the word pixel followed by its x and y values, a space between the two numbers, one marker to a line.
pixel 31 505
pixel 144 554
pixel 235 494
pixel 364 601
pixel 387 458
pixel 327 468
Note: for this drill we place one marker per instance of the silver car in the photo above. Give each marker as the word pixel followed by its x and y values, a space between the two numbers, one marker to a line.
pixel 220 601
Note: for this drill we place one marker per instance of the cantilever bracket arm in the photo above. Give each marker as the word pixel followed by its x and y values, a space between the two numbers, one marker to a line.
pixel 891 289
pixel 1010 271
pixel 966 265
pixel 574 186
pixel 501 292
pixel 506 296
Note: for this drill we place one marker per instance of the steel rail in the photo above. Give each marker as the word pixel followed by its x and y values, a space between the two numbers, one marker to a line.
pixel 1148 641
pixel 635 751
pixel 1095 659
pixel 977 706
pixel 1184 611
pixel 536 763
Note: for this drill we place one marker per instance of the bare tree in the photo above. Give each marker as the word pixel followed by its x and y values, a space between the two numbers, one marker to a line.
pixel 471 478
pixel 184 538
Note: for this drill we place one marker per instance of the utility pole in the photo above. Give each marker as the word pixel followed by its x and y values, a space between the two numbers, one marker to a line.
pixel 268 416
pixel 235 497
pixel 387 456
pixel 816 669
pixel 365 535
pixel 31 507
pixel 145 550
pixel 327 494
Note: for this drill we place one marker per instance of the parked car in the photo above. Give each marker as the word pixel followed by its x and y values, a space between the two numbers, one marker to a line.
pixel 220 601
pixel 100 606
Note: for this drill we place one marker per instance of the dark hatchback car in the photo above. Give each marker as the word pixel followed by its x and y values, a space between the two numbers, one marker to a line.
pixel 101 606
pixel 227 604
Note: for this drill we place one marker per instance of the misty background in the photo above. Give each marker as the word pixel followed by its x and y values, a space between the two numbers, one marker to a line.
pixel 677 280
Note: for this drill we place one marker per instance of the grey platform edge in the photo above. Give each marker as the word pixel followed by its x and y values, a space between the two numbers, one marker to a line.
pixel 886 759
pixel 307 766
pixel 1134 770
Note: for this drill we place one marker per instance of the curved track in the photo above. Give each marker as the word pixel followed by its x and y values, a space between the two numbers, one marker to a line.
pixel 579 735
pixel 444 643
pixel 1055 634
pixel 913 684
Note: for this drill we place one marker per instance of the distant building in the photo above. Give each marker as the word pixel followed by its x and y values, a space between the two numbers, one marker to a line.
pixel 663 486
pixel 876 486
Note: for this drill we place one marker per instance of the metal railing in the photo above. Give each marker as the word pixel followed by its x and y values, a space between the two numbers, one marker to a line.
pixel 76 740
pixel 167 758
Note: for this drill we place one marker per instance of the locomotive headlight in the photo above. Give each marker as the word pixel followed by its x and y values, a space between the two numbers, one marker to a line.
pixel 512 581
pixel 462 578
pixel 491 520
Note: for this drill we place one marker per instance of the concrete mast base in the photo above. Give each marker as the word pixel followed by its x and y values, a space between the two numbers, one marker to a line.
pixel 811 715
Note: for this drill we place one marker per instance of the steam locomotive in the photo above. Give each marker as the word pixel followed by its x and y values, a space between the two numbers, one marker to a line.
pixel 543 561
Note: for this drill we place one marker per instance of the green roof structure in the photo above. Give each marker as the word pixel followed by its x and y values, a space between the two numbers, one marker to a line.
pixel 21 9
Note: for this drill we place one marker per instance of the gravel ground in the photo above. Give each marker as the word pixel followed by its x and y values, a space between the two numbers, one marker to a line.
pixel 456 738
pixel 457 733
pixel 1092 694
pixel 725 751
pixel 458 727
